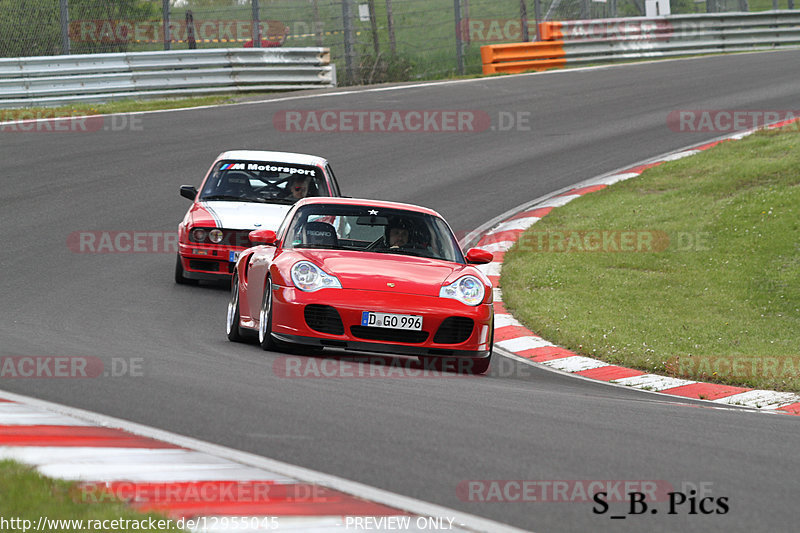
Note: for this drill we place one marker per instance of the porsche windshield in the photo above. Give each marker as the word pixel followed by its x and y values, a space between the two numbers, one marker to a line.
pixel 373 230
pixel 261 181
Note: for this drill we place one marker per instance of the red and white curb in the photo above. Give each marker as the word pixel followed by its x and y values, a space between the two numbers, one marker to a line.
pixel 210 487
pixel 510 335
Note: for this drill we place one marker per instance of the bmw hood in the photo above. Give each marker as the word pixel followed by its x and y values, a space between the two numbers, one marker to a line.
pixel 246 215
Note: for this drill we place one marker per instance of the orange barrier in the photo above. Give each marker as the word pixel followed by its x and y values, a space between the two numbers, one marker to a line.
pixel 519 57
pixel 550 31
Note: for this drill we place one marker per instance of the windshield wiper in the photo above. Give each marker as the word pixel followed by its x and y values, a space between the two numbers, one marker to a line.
pixel 222 197
pixel 400 251
pixel 318 246
pixel 245 199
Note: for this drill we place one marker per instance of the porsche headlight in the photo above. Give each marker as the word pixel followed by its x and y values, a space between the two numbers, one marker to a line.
pixel 309 277
pixel 467 289
pixel 215 235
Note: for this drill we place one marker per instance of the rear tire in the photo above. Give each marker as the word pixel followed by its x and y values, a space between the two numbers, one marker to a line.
pixel 180 278
pixel 233 318
pixel 265 339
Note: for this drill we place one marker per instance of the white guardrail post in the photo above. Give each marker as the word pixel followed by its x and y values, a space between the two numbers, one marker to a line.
pixel 58 80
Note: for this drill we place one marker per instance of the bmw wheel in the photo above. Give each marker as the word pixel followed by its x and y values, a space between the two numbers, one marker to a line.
pixel 180 278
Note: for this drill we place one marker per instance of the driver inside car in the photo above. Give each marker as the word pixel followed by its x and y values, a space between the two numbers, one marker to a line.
pixel 299 187
pixel 398 233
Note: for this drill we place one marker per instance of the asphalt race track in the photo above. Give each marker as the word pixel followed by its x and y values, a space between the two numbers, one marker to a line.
pixel 414 436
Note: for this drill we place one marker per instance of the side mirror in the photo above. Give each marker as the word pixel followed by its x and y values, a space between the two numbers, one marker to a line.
pixel 188 191
pixel 263 236
pixel 476 256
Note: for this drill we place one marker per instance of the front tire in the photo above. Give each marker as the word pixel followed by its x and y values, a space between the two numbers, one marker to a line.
pixel 233 318
pixel 265 339
pixel 480 366
pixel 180 278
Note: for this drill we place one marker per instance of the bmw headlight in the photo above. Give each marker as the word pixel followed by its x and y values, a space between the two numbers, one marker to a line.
pixel 309 277
pixel 467 289
pixel 215 235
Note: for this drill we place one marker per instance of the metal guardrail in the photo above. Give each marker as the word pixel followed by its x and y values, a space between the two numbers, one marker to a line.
pixel 56 80
pixel 607 40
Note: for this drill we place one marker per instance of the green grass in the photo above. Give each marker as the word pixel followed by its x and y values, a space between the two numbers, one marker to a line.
pixel 27 495
pixel 721 302
pixel 123 106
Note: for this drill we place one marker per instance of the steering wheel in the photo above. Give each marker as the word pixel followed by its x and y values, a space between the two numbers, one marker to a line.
pixel 377 243
pixel 270 189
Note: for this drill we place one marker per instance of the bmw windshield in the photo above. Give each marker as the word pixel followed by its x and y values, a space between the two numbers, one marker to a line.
pixel 263 182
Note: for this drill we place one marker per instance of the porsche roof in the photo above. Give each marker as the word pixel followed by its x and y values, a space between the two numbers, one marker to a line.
pixel 367 202
pixel 263 155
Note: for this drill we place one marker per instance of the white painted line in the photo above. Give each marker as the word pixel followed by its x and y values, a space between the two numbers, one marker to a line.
pixel 559 201
pixel 14 414
pixel 490 269
pixel 502 320
pixel 502 246
pixel 761 399
pixel 40 455
pixel 116 459
pixel 652 382
pixel 523 343
pixel 516 224
pixel 467 521
pixel 678 155
pixel 498 294
pixel 575 363
pixel 155 472
pixel 663 398
pixel 616 178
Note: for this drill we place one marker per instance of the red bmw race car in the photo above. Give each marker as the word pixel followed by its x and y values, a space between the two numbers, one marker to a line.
pixel 365 275
pixel 242 191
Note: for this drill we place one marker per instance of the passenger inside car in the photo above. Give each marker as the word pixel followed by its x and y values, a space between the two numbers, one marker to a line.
pixel 237 185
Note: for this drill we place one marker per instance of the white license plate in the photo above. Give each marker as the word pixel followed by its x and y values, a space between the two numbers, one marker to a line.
pixel 233 256
pixel 390 320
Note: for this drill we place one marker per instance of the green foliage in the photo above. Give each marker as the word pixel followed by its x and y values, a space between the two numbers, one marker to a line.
pixel 723 291
pixel 33 27
pixel 29 28
pixel 27 495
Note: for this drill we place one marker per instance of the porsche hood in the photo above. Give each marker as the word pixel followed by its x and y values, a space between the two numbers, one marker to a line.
pixel 387 272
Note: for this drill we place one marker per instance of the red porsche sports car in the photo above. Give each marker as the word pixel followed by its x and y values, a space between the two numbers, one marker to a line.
pixel 365 275
pixel 243 190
